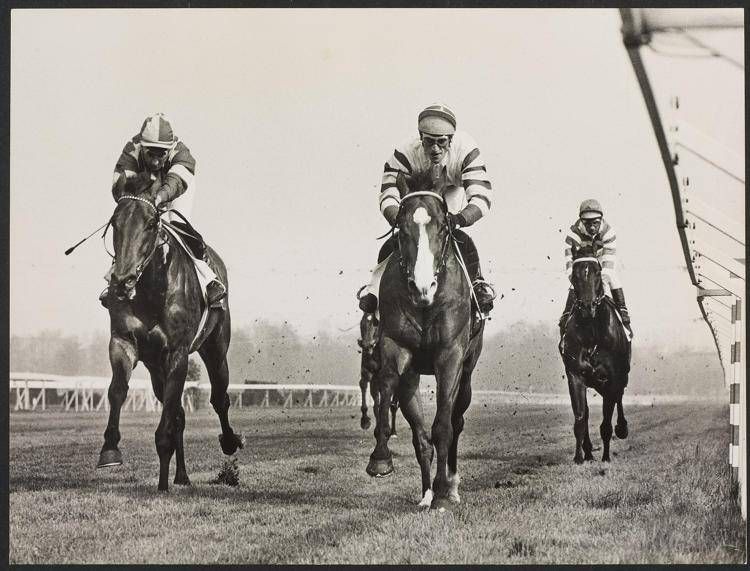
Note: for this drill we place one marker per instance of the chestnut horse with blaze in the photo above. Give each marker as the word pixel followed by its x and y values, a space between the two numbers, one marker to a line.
pixel 155 309
pixel 426 327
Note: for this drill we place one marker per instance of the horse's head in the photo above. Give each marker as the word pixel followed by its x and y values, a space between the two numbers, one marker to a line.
pixel 368 333
pixel 423 233
pixel 587 281
pixel 135 226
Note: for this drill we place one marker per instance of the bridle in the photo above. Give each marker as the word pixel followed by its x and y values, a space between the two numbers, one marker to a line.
pixel 444 249
pixel 141 267
pixel 599 298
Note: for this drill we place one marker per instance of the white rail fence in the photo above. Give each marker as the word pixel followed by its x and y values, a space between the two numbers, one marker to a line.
pixel 38 391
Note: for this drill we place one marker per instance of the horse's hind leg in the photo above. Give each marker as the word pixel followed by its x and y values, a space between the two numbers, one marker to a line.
pixel 214 355
pixel 180 477
pixel 463 399
pixel 621 428
pixel 394 410
pixel 605 428
pixel 122 358
pixel 587 446
pixel 411 407
pixel 577 391
pixel 364 378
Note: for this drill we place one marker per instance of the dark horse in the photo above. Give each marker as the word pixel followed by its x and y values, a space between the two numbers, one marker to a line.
pixel 596 354
pixel 368 343
pixel 426 327
pixel 155 310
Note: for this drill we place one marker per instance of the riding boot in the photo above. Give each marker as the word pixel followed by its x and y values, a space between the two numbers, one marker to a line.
pixel 619 298
pixel 368 303
pixel 483 290
pixel 566 312
pixel 216 291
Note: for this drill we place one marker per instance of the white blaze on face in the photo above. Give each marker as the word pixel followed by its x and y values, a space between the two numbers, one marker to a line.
pixel 423 272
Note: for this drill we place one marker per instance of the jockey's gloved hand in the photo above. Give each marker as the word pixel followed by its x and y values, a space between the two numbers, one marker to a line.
pixel 456 221
pixel 161 196
pixel 391 214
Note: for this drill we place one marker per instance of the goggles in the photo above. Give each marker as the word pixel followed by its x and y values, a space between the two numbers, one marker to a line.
pixel 156 152
pixel 441 141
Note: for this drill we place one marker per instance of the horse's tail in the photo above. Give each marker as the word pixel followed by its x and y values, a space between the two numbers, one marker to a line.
pixel 621 428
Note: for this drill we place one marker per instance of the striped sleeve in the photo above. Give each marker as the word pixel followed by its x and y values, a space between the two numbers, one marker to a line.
pixel 181 172
pixel 389 195
pixel 608 255
pixel 475 181
pixel 570 240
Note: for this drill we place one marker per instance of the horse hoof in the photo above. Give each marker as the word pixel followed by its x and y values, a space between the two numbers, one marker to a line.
pixel 365 422
pixel 380 468
pixel 621 431
pixel 109 458
pixel 230 443
pixel 182 481
pixel 442 504
pixel 605 458
pixel 394 435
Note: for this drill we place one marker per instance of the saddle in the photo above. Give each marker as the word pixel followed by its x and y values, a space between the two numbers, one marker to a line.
pixel 192 239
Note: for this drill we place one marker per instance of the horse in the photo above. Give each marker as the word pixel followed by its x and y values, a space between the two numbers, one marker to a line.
pixel 596 353
pixel 155 308
pixel 368 341
pixel 426 327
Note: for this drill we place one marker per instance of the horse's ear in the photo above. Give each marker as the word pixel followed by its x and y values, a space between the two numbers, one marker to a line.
pixel 401 184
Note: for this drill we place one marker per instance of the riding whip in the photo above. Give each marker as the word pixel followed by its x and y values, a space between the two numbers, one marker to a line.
pixel 69 250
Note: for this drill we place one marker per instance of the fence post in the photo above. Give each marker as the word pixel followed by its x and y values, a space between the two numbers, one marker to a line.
pixel 734 394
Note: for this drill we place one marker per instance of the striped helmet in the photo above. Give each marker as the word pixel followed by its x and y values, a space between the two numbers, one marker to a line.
pixel 589 209
pixel 157 132
pixel 437 120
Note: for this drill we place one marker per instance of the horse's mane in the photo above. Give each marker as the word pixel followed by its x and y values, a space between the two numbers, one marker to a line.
pixel 139 184
pixel 420 180
pixel 584 252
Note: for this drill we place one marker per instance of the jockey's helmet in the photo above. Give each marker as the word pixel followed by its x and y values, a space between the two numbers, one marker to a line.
pixel 590 209
pixel 157 132
pixel 437 120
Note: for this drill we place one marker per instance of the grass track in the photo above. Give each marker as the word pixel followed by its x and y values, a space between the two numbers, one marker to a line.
pixel 304 496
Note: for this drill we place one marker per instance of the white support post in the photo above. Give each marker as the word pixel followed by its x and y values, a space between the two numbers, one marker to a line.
pixel 266 401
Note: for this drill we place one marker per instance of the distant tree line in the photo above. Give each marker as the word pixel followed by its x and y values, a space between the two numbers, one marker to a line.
pixel 523 357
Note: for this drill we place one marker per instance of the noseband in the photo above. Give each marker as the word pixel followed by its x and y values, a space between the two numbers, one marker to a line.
pixel 444 250
pixel 140 268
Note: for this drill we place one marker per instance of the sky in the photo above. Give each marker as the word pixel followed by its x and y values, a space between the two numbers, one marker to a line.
pixel 291 114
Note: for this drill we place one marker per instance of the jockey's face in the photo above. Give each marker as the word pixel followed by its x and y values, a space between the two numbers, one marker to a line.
pixel 592 225
pixel 435 146
pixel 154 158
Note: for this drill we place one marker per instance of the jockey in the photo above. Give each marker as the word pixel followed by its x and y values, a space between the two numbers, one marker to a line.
pixel 157 150
pixel 468 195
pixel 591 229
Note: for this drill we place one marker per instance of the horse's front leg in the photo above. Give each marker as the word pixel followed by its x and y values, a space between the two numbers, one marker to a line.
pixel 448 366
pixel 605 429
pixel 122 358
pixel 410 402
pixel 577 390
pixel 395 360
pixel 168 431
